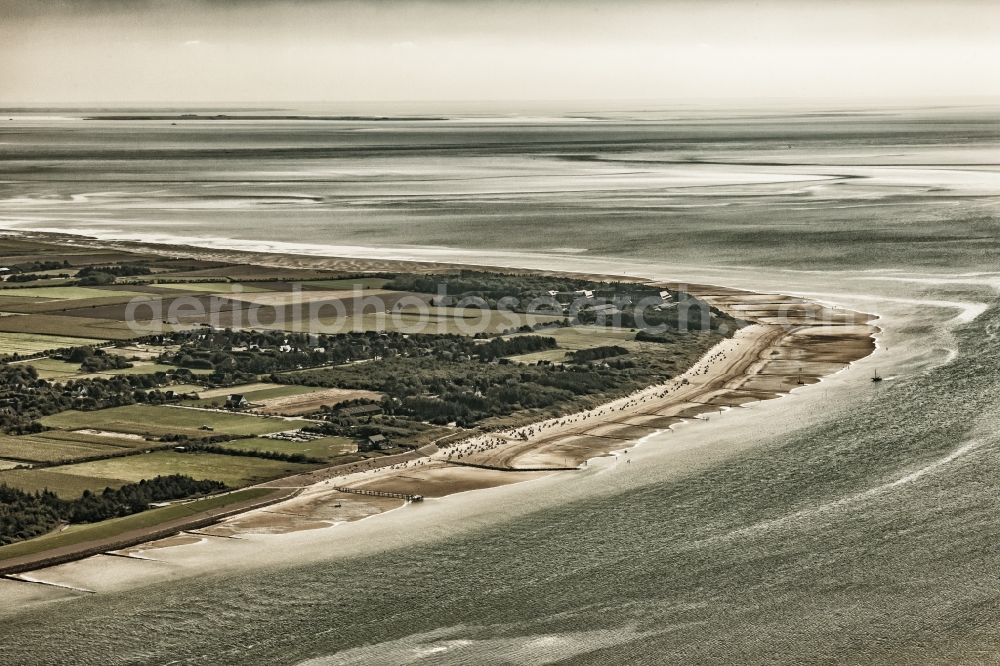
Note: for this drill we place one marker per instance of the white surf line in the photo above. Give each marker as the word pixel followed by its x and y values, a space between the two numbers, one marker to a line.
pixel 968 311
pixel 128 556
pixel 992 281
pixel 844 501
pixel 38 581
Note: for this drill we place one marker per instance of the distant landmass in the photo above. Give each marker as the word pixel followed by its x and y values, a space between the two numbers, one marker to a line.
pixel 225 116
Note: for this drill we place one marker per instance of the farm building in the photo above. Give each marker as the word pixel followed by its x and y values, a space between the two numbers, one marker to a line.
pixel 376 443
pixel 361 411
pixel 237 401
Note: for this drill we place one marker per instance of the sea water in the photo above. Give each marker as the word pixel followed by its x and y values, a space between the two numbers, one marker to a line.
pixel 850 521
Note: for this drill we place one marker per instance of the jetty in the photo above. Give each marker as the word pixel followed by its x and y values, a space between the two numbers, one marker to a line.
pixel 380 493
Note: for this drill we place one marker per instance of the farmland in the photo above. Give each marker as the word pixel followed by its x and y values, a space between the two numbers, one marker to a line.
pixel 211 287
pixel 234 471
pixel 326 448
pixel 158 421
pixel 38 448
pixel 299 403
pixel 60 480
pixel 34 343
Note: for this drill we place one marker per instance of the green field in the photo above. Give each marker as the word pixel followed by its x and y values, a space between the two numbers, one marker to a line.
pixel 212 287
pixel 432 321
pixel 574 338
pixel 156 421
pixel 67 293
pixel 551 355
pixel 234 471
pixel 34 343
pixel 327 448
pixel 78 437
pixel 50 368
pixel 37 448
pixel 63 481
pixel 140 368
pixel 347 283
pixel 65 325
pixel 253 393
pixel 75 534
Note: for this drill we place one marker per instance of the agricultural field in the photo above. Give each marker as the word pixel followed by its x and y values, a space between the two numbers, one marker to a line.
pixel 57 370
pixel 63 481
pixel 50 368
pixel 306 402
pixel 255 393
pixel 57 325
pixel 234 471
pixel 238 272
pixel 37 448
pixel 93 436
pixel 67 293
pixel 327 448
pixel 213 287
pixel 34 343
pixel 245 389
pixel 575 338
pixel 347 283
pixel 430 320
pixel 281 298
pixel 158 421
pixel 141 368
pixel 281 399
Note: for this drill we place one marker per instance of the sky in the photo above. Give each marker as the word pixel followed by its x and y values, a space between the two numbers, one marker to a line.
pixel 278 51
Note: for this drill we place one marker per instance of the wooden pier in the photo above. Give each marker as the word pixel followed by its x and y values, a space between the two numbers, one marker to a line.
pixel 380 493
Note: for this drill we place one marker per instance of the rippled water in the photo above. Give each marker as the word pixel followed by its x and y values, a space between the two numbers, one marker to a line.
pixel 851 522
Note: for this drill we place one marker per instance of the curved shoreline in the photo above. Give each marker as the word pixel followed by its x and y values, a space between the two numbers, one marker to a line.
pixel 792 342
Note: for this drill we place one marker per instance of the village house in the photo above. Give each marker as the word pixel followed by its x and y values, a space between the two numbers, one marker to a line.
pixel 376 443
pixel 237 401
pixel 605 309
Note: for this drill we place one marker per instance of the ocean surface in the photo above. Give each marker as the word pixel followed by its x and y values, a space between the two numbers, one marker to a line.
pixel 850 522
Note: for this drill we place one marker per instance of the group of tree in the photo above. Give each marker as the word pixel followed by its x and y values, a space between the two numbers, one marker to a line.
pixel 94 359
pixel 493 288
pixel 237 356
pixel 205 447
pixel 36 266
pixel 430 389
pixel 31 277
pixel 99 275
pixel 25 398
pixel 636 305
pixel 597 353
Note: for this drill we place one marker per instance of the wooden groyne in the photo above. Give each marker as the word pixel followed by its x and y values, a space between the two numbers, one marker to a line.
pixel 504 468
pixel 379 493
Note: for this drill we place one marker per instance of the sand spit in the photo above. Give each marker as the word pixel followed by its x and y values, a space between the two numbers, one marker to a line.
pixel 776 354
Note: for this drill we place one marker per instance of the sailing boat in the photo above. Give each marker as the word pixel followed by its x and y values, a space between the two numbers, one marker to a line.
pixel 875 377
